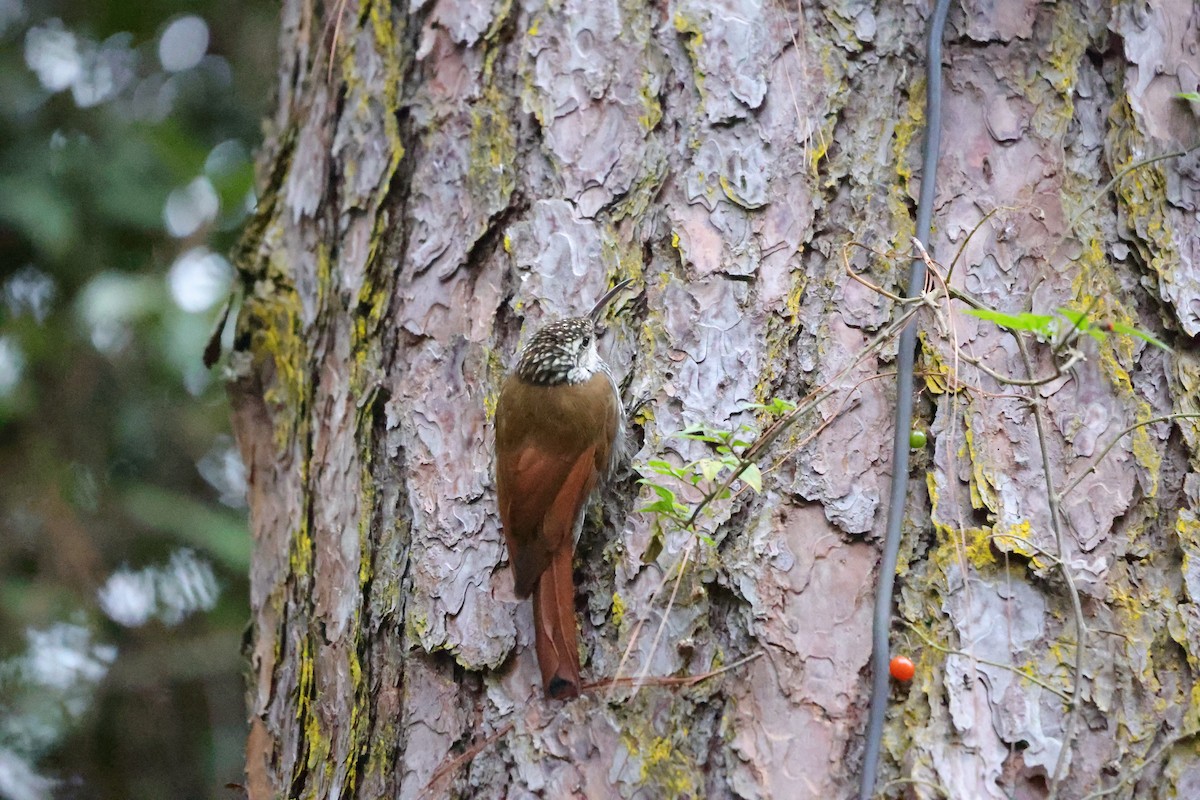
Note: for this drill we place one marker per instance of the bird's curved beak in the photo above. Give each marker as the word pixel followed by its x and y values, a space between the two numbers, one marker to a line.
pixel 598 309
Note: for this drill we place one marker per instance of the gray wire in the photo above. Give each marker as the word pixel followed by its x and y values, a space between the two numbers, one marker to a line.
pixel 882 624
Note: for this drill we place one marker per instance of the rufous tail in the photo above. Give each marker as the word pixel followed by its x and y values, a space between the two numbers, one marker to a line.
pixel 554 627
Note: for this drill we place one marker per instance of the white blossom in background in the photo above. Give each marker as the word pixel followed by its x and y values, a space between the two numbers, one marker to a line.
pixel 110 302
pixel 197 379
pixel 93 72
pixel 169 593
pixel 52 52
pixel 189 207
pixel 186 585
pixel 226 157
pixel 183 43
pixel 127 597
pixel 111 336
pixel 19 781
pixel 66 664
pixel 106 71
pixel 223 469
pixel 29 291
pixel 47 689
pixel 199 278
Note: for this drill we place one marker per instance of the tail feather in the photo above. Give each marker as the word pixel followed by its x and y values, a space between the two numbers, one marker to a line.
pixel 554 627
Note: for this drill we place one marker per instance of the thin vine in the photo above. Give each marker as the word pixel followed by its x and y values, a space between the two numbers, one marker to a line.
pixel 737 457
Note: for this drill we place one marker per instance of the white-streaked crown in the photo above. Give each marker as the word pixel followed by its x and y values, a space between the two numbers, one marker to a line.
pixel 561 352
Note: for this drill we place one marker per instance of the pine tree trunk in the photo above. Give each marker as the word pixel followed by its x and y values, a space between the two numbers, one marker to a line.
pixel 441 177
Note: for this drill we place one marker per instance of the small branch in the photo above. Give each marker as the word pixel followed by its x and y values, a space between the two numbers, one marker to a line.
pixel 1096 462
pixel 833 416
pixel 750 455
pixel 1059 369
pixel 895 298
pixel 672 680
pixel 463 758
pixel 1121 174
pixel 963 247
pixel 810 403
pixel 1054 560
pixel 1074 359
pixel 1129 775
pixel 637 628
pixel 1076 606
pixel 963 654
pixel 666 613
pixel 1073 332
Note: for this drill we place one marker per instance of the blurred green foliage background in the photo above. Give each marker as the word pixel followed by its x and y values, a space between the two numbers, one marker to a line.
pixel 127 129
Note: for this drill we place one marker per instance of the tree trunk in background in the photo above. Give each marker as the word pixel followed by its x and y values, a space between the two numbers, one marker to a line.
pixel 464 171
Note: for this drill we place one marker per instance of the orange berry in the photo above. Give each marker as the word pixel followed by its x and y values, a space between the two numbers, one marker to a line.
pixel 902 668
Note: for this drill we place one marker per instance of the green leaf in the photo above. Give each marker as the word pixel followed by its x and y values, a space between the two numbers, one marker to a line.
pixel 665 504
pixel 697 437
pixel 781 406
pixel 659 507
pixel 1191 96
pixel 1078 318
pixel 1079 322
pixel 752 477
pixel 1041 324
pixel 1129 330
pixel 777 406
pixel 709 468
pixel 663 492
pixel 695 428
pixel 664 468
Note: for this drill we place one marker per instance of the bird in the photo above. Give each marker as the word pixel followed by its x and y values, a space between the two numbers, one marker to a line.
pixel 558 419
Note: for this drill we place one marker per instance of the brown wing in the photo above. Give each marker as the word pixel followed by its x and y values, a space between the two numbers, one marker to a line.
pixel 540 497
pixel 552 444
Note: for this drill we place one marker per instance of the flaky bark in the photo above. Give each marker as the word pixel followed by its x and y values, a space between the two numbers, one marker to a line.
pixel 463 171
